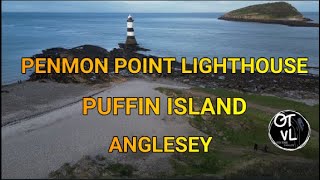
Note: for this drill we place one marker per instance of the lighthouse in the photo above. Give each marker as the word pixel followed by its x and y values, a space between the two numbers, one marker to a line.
pixel 131 40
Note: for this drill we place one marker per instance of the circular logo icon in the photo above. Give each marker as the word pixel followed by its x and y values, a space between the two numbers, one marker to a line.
pixel 289 130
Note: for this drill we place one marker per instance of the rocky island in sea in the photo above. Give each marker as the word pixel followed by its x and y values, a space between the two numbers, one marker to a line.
pixel 271 13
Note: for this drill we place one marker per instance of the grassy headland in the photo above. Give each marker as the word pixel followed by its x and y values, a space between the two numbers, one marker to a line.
pixel 232 153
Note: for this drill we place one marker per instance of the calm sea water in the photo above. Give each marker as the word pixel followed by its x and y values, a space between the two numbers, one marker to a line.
pixel 176 35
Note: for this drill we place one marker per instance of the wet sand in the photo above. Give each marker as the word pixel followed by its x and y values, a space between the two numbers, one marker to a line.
pixel 34 147
pixel 28 99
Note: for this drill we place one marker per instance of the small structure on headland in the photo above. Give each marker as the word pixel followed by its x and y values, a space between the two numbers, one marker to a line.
pixel 131 40
pixel 131 45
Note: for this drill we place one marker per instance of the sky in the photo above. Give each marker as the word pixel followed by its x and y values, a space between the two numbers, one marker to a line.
pixel 141 6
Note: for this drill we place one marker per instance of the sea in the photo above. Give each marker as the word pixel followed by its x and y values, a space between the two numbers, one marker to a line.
pixel 166 34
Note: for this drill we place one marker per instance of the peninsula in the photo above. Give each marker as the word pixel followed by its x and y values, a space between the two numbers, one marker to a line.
pixel 270 13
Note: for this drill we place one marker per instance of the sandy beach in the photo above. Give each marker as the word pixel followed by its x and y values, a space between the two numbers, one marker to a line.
pixel 34 147
pixel 28 99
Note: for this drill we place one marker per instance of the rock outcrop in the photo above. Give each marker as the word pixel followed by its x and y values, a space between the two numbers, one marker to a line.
pixel 89 51
pixel 286 85
pixel 91 168
pixel 79 52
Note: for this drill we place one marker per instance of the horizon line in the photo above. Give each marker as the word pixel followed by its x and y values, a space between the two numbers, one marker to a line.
pixel 131 12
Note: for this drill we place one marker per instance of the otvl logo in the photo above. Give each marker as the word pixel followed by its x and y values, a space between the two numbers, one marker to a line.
pixel 289 130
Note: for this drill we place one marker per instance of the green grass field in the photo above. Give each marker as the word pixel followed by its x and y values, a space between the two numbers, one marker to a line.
pixel 311 113
pixel 234 137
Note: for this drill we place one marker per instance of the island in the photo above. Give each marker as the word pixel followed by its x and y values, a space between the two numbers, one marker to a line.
pixel 270 13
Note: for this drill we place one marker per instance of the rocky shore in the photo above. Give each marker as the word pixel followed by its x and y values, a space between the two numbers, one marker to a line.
pixel 294 23
pixel 93 167
pixel 284 85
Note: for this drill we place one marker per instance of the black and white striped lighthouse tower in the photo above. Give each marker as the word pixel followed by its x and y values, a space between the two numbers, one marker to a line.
pixel 131 40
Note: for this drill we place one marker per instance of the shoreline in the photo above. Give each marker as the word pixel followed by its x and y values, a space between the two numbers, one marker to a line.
pixel 18 113
pixel 307 75
pixel 291 23
pixel 15 121
pixel 65 135
pixel 22 101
